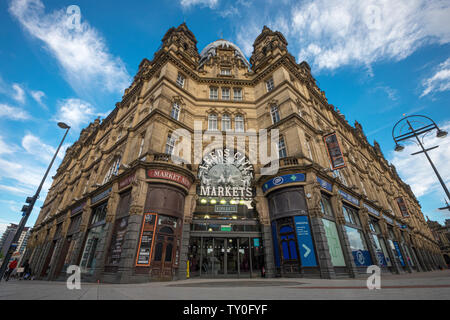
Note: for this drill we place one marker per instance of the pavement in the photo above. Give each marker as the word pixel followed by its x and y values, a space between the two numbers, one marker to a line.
pixel 416 286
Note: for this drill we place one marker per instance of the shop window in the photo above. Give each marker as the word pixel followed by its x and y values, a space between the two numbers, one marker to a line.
pixel 99 214
pixel 358 246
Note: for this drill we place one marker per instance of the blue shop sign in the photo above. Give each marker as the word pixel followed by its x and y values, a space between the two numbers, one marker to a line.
pixel 256 242
pixel 381 259
pixel 281 180
pixel 372 210
pixel 362 258
pixel 349 198
pixel 399 253
pixel 305 243
pixel 324 184
pixel 101 196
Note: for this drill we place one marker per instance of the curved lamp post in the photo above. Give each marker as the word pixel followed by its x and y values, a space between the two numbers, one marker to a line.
pixel 28 208
pixel 426 125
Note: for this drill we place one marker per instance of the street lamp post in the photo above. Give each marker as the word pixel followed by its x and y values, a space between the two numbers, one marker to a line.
pixel 416 133
pixel 27 209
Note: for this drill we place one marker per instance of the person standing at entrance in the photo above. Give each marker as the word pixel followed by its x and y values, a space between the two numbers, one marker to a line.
pixel 12 266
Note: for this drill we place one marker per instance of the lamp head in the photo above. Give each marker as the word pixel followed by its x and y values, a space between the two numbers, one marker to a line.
pixel 62 125
pixel 399 147
pixel 441 133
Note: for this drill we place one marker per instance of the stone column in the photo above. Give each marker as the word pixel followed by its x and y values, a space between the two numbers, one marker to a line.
pixel 131 239
pixel 391 253
pixel 364 217
pixel 262 207
pixel 336 201
pixel 318 231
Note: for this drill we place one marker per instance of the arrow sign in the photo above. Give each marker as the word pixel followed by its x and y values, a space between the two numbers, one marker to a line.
pixel 308 251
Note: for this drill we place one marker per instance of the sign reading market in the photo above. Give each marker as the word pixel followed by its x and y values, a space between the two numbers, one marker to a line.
pixel 225 173
pixel 168 175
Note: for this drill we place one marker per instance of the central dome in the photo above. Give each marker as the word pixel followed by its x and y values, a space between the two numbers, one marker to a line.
pixel 210 51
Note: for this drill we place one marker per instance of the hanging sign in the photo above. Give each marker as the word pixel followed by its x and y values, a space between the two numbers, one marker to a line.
pixel 305 243
pixel 402 206
pixel 286 179
pixel 334 151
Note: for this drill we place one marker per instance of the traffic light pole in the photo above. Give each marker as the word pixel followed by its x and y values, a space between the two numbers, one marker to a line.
pixel 26 214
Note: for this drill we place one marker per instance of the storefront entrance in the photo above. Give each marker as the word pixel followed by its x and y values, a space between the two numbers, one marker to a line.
pixel 222 257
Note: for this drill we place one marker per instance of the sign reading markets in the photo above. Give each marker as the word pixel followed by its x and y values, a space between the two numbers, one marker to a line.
pixel 281 180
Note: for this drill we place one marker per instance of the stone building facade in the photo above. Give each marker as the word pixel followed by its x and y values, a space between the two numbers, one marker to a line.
pixel 441 234
pixel 125 210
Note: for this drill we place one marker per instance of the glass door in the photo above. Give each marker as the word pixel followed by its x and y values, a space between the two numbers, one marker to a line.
pixel 232 256
pixel 219 253
pixel 244 256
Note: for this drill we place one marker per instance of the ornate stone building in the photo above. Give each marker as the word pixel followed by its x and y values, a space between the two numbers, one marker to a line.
pixel 124 210
pixel 441 234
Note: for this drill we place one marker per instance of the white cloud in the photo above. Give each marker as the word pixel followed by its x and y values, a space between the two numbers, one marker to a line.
pixel 208 3
pixel 416 170
pixel 329 34
pixel 333 34
pixel 19 95
pixel 37 96
pixel 75 113
pixel 13 113
pixel 5 148
pixel 35 147
pixel 81 52
pixel 440 81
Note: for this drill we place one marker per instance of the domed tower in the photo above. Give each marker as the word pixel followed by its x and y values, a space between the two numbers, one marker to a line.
pixel 223 58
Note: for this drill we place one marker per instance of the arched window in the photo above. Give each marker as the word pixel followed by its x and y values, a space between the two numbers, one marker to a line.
pixel 113 170
pixel 212 122
pixel 239 123
pixel 226 122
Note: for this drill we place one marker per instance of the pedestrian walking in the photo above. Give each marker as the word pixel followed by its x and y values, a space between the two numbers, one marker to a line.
pixel 12 266
pixel 26 270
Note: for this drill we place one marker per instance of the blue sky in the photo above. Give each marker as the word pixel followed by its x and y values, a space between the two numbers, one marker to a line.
pixel 376 60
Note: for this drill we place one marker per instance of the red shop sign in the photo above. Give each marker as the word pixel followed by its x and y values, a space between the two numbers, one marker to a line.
pixel 169 175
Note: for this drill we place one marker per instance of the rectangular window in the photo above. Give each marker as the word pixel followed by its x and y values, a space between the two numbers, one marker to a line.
pixel 308 148
pixel 325 205
pixel 141 146
pixel 334 244
pixel 180 80
pixel 225 72
pixel 275 114
pixel 269 85
pixel 170 144
pixel 237 94
pixel 225 93
pixel 175 114
pixel 282 148
pixel 213 93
